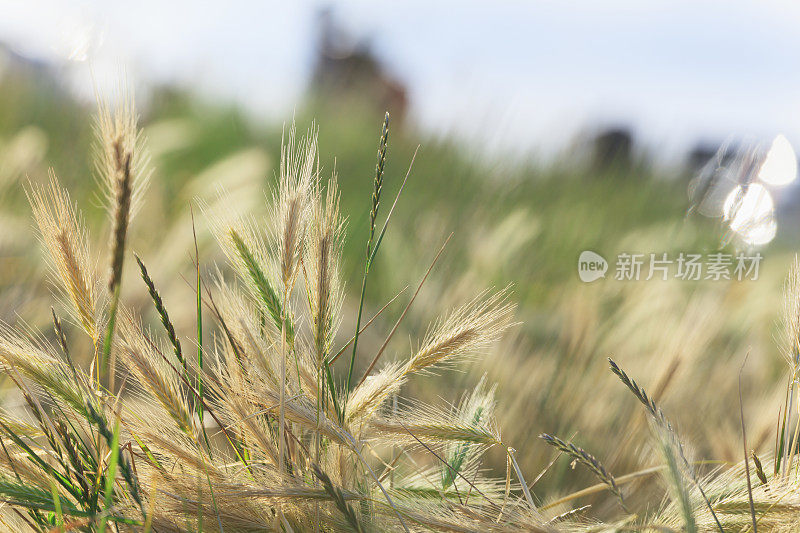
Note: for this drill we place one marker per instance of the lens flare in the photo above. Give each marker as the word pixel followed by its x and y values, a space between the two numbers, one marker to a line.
pixel 760 233
pixel 780 166
pixel 750 214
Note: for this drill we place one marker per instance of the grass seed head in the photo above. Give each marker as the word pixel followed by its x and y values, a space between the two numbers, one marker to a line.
pixel 67 242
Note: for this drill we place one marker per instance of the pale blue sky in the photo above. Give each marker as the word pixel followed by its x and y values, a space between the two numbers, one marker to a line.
pixel 504 73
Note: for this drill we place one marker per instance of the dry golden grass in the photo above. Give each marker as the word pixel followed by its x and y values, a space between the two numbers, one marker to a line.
pixel 256 432
pixel 66 241
pixel 245 425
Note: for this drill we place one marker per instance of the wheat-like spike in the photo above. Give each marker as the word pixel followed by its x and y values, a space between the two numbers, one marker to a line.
pixel 370 252
pixel 121 172
pixel 639 392
pixel 762 477
pixel 669 432
pixel 290 207
pixel 40 366
pixel 67 242
pixel 453 432
pixel 568 514
pixel 383 146
pixel 338 499
pixel 118 137
pixel 120 163
pixel 292 200
pixel 654 410
pixel 120 154
pixel 323 285
pixel 467 330
pixel 121 219
pixel 324 250
pixel 791 318
pixel 162 312
pixel 589 461
pixel 151 377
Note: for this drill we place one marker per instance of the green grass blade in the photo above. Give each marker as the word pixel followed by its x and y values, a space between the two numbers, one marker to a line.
pixel 57 506
pixel 334 398
pixel 373 215
pixel 62 480
pixel 111 475
pixel 125 468
pixel 109 336
pixel 199 304
pixel 265 290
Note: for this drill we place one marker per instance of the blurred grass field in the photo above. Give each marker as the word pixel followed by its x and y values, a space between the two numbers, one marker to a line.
pixel 514 222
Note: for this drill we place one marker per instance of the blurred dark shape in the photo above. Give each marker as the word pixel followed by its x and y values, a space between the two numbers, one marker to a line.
pixel 612 147
pixel 348 70
pixel 703 152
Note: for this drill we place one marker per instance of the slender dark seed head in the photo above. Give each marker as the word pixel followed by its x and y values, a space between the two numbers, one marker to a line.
pixel 759 468
pixel 122 184
pixel 588 460
pixel 162 312
pixel 338 499
pixel 379 166
pixel 62 338
pixel 637 391
pixel 661 421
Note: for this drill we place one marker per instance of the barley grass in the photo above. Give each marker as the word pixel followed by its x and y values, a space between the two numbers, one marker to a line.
pixel 383 145
pixel 66 240
pixel 263 432
pixel 589 461
pixel 289 445
pixel 121 167
pixel 666 434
